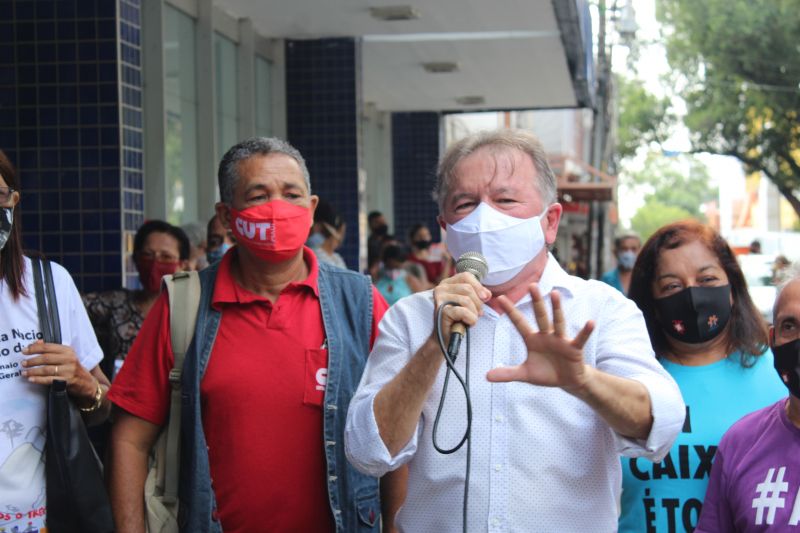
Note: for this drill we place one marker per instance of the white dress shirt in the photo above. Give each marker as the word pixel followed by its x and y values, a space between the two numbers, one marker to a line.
pixel 542 460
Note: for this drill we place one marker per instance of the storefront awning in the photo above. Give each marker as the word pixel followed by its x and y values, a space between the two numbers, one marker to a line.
pixel 580 182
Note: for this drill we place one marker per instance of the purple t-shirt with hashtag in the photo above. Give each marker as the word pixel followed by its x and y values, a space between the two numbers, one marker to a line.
pixel 755 480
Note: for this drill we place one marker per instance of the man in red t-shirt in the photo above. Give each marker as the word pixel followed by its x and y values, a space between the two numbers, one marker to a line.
pixel 263 390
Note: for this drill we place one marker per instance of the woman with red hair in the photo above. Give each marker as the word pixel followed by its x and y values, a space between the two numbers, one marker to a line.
pixel 709 336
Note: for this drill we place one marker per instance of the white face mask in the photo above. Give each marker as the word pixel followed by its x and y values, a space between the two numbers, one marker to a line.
pixel 508 243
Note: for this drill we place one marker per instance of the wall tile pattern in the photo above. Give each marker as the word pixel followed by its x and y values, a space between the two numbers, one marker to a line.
pixel 323 102
pixel 415 154
pixel 71 121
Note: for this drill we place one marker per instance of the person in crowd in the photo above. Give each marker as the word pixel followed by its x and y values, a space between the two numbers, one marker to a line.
pixel 397 278
pixel 780 267
pixel 755 247
pixel 198 245
pixel 428 255
pixel 710 337
pixel 327 234
pixel 755 480
pixel 159 249
pixel 218 240
pixel 552 403
pixel 262 446
pixel 28 365
pixel 378 230
pixel 626 248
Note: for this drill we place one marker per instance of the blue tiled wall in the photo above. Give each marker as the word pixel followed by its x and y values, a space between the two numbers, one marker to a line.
pixel 415 154
pixel 74 129
pixel 322 98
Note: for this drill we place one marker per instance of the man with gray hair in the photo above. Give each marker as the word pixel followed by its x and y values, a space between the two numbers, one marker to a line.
pixel 279 346
pixel 755 480
pixel 563 374
pixel 197 245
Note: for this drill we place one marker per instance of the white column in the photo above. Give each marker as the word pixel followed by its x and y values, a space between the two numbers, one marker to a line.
pixel 247 80
pixel 154 110
pixel 206 107
pixel 278 80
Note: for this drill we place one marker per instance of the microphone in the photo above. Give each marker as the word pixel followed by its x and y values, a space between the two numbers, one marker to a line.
pixel 474 263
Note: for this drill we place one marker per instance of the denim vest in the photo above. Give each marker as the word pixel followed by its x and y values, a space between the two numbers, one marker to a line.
pixel 346 300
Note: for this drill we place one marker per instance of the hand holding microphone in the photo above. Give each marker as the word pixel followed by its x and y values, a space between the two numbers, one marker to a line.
pixel 465 291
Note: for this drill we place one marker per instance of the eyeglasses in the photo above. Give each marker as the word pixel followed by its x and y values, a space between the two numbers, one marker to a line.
pixel 161 257
pixel 5 194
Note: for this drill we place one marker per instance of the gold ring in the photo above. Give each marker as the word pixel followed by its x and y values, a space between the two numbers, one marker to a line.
pixel 56 372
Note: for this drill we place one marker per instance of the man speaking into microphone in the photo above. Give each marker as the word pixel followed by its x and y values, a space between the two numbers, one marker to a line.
pixel 563 377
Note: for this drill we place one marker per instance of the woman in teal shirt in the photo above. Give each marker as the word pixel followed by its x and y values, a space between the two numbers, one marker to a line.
pixel 709 336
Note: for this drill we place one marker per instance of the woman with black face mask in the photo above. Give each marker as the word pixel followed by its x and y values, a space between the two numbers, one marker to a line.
pixel 428 255
pixel 28 366
pixel 709 336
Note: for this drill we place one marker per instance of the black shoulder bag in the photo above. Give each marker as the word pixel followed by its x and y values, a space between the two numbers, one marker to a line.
pixel 77 500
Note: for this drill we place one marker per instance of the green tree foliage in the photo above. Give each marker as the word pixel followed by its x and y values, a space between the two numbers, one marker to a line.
pixel 654 214
pixel 677 189
pixel 737 63
pixel 643 117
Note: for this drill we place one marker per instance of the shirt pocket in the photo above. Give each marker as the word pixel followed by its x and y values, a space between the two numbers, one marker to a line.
pixel 316 377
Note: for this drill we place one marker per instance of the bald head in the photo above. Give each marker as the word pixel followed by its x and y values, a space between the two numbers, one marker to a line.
pixel 786 313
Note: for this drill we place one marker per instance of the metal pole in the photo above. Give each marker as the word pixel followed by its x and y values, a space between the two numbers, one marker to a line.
pixel 595 248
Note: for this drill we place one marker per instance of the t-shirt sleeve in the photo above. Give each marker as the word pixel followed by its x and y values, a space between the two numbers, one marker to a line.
pixel 716 514
pixel 81 337
pixel 379 308
pixel 142 385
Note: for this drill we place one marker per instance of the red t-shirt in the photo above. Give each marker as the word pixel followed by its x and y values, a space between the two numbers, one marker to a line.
pixel 433 269
pixel 262 396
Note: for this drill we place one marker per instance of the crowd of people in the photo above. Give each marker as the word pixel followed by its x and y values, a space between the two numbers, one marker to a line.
pixel 655 400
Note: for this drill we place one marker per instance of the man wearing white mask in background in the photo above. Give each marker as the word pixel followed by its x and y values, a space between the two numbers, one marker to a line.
pixel 563 374
pixel 626 249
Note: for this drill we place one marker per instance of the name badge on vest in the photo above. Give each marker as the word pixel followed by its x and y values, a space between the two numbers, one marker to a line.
pixel 316 376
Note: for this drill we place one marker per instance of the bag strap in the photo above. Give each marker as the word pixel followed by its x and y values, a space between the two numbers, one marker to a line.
pixel 55 322
pixel 48 314
pixel 183 289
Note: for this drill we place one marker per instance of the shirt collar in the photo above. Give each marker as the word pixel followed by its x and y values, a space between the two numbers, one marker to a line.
pixel 554 277
pixel 228 291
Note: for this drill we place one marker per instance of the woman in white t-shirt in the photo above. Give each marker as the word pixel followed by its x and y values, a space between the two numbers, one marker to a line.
pixel 28 366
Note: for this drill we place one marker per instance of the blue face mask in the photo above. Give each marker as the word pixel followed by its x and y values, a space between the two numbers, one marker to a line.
pixel 216 255
pixel 627 259
pixel 315 240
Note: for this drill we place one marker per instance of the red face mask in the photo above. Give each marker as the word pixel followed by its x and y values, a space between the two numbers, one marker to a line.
pixel 151 272
pixel 274 231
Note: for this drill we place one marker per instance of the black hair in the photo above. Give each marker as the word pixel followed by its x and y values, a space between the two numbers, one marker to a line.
pixel 325 213
pixel 394 251
pixel 159 226
pixel 414 229
pixel 12 264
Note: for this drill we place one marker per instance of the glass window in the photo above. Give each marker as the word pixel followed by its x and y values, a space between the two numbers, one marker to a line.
pixel 226 66
pixel 181 120
pixel 263 97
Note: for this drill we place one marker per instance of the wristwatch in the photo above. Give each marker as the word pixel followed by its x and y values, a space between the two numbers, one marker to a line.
pixel 98 400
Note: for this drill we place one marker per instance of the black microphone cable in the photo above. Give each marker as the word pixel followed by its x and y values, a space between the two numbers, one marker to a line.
pixel 450 359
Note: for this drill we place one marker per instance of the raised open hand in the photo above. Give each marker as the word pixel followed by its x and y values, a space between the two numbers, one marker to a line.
pixel 553 360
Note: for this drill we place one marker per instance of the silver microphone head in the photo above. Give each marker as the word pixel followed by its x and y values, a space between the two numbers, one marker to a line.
pixel 474 263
